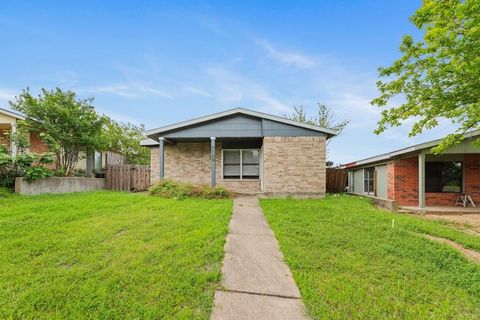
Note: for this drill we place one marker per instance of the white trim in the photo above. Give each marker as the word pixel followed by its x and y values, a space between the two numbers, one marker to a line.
pixel 240 111
pixel 12 114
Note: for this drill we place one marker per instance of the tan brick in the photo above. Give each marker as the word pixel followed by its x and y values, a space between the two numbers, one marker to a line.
pixel 294 165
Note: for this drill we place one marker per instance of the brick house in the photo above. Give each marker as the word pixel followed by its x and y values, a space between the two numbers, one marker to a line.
pixel 89 162
pixel 414 177
pixel 242 150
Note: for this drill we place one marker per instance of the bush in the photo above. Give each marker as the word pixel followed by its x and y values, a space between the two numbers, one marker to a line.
pixel 179 190
pixel 29 165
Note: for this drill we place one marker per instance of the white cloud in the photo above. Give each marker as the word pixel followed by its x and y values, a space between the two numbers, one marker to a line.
pixel 287 58
pixel 233 88
pixel 127 90
pixel 198 91
pixel 5 96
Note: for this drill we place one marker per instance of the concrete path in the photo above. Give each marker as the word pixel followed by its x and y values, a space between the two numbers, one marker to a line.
pixel 256 283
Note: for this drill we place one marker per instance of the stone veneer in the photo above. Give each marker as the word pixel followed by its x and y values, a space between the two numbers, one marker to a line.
pixel 291 165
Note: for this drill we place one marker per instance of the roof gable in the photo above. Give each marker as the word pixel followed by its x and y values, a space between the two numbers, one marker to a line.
pixel 239 122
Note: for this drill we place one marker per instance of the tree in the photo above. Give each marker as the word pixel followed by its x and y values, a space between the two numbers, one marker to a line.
pixel 125 139
pixel 68 125
pixel 438 77
pixel 325 118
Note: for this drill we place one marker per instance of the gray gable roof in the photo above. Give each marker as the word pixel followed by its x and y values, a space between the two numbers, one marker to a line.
pixel 238 123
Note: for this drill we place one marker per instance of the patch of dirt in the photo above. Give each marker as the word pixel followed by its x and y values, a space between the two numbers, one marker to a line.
pixel 469 253
pixel 470 221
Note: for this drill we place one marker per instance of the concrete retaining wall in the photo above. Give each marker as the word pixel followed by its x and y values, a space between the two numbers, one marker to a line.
pixel 58 185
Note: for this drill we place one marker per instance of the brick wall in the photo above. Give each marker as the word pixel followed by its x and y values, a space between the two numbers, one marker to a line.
pixel 294 165
pixel 36 144
pixel 403 182
pixel 472 176
pixel 190 162
pixel 406 181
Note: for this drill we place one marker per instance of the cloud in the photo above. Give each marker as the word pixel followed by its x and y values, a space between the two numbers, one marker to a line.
pixel 5 96
pixel 198 91
pixel 230 87
pixel 286 58
pixel 126 90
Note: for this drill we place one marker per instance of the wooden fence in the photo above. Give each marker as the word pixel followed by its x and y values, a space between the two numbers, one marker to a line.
pixel 127 177
pixel 336 180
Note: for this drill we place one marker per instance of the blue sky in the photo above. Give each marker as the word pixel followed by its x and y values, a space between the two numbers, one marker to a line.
pixel 156 62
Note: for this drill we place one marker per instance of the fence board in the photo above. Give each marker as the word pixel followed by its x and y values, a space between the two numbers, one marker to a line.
pixel 336 180
pixel 127 177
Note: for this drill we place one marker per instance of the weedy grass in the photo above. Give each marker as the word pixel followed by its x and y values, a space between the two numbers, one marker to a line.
pixel 110 255
pixel 351 261
pixel 179 190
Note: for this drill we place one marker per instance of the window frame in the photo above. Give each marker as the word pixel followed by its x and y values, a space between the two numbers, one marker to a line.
pixel 241 164
pixel 369 178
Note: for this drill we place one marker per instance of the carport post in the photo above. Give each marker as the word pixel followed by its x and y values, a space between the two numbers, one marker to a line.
pixel 161 157
pixel 212 160
pixel 421 180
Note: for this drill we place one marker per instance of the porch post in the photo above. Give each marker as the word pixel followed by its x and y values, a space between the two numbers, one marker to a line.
pixel 213 161
pixel 161 157
pixel 13 146
pixel 421 180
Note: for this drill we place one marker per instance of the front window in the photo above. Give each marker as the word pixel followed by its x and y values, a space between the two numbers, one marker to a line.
pixel 368 180
pixel 443 176
pixel 241 164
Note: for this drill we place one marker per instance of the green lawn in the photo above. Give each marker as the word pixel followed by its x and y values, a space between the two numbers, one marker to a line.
pixel 109 255
pixel 349 262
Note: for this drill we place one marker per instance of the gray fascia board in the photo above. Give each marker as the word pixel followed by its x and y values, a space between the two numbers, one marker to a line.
pixel 226 113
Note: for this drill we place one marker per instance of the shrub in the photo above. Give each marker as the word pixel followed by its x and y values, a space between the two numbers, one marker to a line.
pixel 29 165
pixel 179 190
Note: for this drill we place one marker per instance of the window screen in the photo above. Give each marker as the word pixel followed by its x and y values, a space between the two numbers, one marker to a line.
pixel 368 186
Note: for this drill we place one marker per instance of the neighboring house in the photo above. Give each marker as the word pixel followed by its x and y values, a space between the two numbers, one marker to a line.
pixel 94 161
pixel 8 125
pixel 243 150
pixel 414 177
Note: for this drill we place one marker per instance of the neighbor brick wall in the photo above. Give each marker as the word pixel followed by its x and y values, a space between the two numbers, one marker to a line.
pixel 472 176
pixel 36 144
pixel 294 165
pixel 403 183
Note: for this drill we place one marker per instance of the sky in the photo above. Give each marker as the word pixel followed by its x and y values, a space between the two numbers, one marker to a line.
pixel 161 62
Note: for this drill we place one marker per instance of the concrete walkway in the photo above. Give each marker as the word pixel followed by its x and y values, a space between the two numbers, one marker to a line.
pixel 256 283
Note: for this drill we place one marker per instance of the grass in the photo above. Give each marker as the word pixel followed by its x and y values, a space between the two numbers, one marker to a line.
pixel 110 255
pixel 350 263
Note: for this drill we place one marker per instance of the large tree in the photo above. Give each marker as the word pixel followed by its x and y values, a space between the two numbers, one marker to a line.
pixel 125 139
pixel 436 78
pixel 68 125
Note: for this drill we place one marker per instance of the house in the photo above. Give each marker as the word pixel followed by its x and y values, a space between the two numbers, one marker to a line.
pixel 414 177
pixel 91 162
pixel 244 151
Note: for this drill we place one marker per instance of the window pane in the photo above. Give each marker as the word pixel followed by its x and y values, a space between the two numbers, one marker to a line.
pixel 231 156
pixel 231 170
pixel 251 170
pixel 443 176
pixel 250 156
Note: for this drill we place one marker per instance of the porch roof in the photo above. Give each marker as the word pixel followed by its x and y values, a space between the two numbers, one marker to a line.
pixel 415 149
